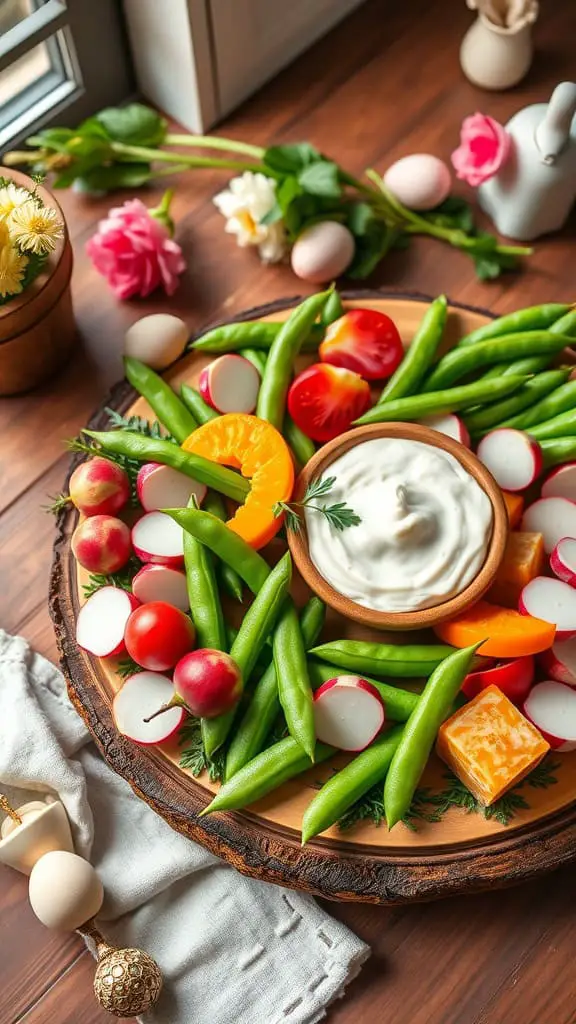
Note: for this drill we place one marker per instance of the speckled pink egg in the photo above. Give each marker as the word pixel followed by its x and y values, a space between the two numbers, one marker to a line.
pixel 322 252
pixel 419 181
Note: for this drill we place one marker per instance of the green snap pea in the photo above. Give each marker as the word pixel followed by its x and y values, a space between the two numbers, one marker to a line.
pixel 563 425
pixel 533 318
pixel 399 703
pixel 196 405
pixel 343 788
pixel 266 772
pixel 256 356
pixel 171 412
pixel 152 449
pixel 402 661
pixel 415 407
pixel 205 606
pixel 461 361
pixel 483 420
pixel 420 732
pixel 566 325
pixel 283 352
pixel 255 629
pixel 560 400
pixel 250 334
pixel 229 578
pixel 264 707
pixel 558 450
pixel 231 548
pixel 419 354
pixel 333 309
pixel 294 688
pixel 302 447
pixel 532 364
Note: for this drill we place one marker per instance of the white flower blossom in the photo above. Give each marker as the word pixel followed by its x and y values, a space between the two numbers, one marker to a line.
pixel 244 204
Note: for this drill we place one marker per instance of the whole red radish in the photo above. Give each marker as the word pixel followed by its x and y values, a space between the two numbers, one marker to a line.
pixel 157 635
pixel 365 341
pixel 208 682
pixel 513 678
pixel 551 707
pixel 141 696
pixel 101 544
pixel 102 619
pixel 99 487
pixel 324 400
pixel 348 712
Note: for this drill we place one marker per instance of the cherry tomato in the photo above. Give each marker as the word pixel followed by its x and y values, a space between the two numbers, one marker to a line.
pixel 157 635
pixel 365 341
pixel 324 400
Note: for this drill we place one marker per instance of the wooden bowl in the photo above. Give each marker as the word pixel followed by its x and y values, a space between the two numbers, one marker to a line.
pixel 424 617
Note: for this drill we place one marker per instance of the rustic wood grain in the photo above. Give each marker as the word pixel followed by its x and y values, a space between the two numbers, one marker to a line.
pixel 383 84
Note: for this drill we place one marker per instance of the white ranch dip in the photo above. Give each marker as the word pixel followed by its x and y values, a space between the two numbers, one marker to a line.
pixel 426 525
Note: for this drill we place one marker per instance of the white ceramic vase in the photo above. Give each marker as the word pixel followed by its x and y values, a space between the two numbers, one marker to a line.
pixel 495 57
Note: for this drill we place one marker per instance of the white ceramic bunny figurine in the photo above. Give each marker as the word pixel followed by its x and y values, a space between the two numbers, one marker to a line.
pixel 535 188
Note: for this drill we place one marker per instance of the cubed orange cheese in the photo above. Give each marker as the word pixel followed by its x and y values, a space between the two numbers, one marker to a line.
pixel 514 507
pixel 523 560
pixel 489 745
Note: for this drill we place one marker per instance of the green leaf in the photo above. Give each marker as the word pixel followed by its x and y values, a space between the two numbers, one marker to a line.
pixel 292 158
pixel 52 138
pixel 134 125
pixel 321 179
pixel 273 215
pixel 370 249
pixel 454 212
pixel 105 179
pixel 360 218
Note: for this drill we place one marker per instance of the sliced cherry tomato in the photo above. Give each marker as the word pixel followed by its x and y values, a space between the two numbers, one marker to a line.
pixel 513 678
pixel 324 400
pixel 365 341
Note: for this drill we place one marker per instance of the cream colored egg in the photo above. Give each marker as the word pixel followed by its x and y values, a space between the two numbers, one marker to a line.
pixel 322 252
pixel 64 891
pixel 156 340
pixel 419 181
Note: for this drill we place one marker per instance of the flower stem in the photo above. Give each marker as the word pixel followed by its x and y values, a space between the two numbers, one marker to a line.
pixel 142 153
pixel 213 142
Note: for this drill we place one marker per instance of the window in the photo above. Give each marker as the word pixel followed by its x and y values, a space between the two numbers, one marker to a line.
pixel 55 57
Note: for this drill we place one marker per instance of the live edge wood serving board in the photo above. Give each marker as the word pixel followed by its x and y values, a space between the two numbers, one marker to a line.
pixel 462 852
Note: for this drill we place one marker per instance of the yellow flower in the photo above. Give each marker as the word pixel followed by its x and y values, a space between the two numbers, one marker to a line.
pixel 11 197
pixel 35 228
pixel 12 266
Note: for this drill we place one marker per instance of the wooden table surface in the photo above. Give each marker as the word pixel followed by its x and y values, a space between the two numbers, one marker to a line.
pixel 383 84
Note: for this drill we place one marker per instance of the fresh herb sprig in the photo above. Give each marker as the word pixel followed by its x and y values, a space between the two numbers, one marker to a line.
pixel 122 579
pixel 339 515
pixel 193 755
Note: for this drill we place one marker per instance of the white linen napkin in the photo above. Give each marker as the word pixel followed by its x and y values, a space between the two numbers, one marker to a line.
pixel 232 950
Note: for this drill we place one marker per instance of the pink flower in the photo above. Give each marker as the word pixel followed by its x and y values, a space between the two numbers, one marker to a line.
pixel 134 252
pixel 484 146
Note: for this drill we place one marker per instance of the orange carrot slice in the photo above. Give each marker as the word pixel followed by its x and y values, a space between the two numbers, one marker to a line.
pixel 509 634
pixel 260 452
pixel 515 507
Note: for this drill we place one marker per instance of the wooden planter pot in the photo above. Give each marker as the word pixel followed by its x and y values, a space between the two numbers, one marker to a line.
pixel 37 327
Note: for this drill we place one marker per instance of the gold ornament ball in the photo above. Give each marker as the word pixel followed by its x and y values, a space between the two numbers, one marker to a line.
pixel 127 981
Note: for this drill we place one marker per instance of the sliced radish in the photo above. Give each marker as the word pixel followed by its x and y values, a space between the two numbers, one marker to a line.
pixel 348 712
pixel 450 425
pixel 162 487
pixel 101 621
pixel 141 695
pixel 554 518
pixel 513 678
pixel 552 601
pixel 563 560
pixel 161 583
pixel 157 538
pixel 561 482
pixel 513 458
pixel 559 661
pixel 230 384
pixel 551 707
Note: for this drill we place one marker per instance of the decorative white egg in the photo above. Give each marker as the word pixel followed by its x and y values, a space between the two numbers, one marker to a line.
pixel 322 252
pixel 64 891
pixel 419 181
pixel 156 340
